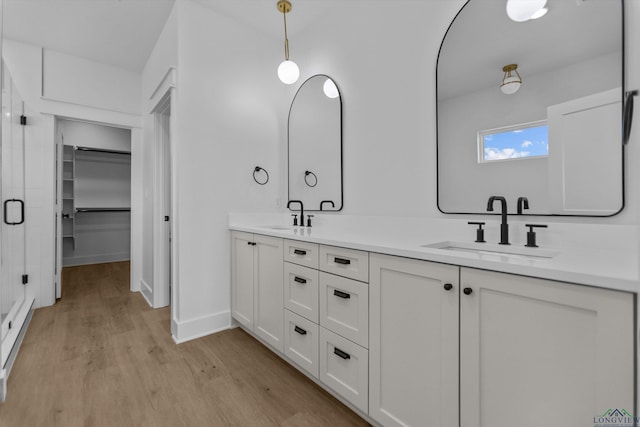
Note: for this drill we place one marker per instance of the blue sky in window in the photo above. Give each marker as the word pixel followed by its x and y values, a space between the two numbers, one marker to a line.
pixel 515 144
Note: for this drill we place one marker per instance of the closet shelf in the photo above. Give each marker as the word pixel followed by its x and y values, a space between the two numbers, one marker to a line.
pixel 102 150
pixel 103 209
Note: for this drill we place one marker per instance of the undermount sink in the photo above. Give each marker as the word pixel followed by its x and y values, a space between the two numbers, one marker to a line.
pixel 510 251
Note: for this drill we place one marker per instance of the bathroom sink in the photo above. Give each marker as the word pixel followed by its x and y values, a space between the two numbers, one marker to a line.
pixel 510 251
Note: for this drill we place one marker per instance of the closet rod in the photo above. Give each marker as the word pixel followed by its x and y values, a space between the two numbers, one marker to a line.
pixel 102 150
pixel 103 209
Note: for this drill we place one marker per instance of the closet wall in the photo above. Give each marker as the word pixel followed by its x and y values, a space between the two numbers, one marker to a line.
pixel 96 193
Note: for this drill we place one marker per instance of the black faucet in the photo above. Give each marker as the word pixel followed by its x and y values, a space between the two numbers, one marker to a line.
pixel 504 227
pixel 301 209
pixel 523 203
pixel 327 201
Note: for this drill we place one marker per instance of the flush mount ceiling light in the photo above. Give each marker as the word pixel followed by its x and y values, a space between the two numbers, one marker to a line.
pixel 288 71
pixel 524 10
pixel 511 80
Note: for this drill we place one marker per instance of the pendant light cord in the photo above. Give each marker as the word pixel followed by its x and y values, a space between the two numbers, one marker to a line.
pixel 286 38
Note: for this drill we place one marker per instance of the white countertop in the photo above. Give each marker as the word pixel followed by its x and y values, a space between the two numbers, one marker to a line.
pixel 596 255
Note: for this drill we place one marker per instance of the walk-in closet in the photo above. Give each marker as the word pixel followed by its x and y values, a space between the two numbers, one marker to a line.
pixel 95 177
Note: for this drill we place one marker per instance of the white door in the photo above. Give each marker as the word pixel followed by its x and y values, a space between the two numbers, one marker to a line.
pixel 161 289
pixel 535 352
pixel 413 342
pixel 585 155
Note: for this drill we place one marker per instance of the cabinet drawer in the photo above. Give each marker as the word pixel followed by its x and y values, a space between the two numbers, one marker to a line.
pixel 301 253
pixel 344 366
pixel 301 290
pixel 301 342
pixel 345 262
pixel 344 307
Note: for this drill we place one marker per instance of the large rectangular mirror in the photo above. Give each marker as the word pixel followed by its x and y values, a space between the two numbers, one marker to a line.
pixel 532 109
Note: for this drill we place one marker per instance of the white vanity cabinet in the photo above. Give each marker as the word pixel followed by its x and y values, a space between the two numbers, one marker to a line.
pixel 413 342
pixel 535 351
pixel 529 349
pixel 301 335
pixel 256 285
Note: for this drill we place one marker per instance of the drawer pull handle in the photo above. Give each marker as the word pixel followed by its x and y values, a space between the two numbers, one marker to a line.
pixel 300 280
pixel 341 294
pixel 342 261
pixel 299 252
pixel 299 330
pixel 342 354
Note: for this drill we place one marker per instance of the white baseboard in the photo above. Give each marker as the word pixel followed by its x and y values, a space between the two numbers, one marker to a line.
pixel 146 292
pixel 187 330
pixel 95 259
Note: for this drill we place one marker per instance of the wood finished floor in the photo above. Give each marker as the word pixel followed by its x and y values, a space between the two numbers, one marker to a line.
pixel 101 357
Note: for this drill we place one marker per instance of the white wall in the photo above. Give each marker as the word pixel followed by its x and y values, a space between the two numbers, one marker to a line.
pixel 231 111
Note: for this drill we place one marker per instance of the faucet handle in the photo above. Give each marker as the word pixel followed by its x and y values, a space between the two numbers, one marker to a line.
pixel 295 219
pixel 309 220
pixel 531 235
pixel 479 231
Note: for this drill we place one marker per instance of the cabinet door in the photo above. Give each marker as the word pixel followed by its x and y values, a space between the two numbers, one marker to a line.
pixel 536 352
pixel 413 342
pixel 242 278
pixel 269 285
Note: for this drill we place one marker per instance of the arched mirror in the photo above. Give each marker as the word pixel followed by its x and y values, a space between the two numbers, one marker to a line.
pixel 532 109
pixel 315 145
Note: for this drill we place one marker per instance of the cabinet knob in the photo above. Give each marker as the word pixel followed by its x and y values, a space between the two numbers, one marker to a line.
pixel 448 286
pixel 467 291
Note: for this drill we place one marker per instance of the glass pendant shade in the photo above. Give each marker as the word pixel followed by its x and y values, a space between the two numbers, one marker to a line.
pixel 288 72
pixel 524 10
pixel 510 85
pixel 330 89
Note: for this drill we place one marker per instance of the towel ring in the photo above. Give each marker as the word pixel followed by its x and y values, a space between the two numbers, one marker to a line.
pixel 258 169
pixel 306 178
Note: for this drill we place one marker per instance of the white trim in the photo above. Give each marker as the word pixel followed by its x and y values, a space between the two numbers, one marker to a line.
pixel 11 336
pixel 167 82
pixel 199 327
pixel 95 259
pixel 146 292
pixel 3 385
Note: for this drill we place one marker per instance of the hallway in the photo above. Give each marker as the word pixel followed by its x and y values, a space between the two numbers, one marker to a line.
pixel 102 357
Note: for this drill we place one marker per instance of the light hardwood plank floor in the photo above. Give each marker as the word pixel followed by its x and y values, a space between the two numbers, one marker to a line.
pixel 101 357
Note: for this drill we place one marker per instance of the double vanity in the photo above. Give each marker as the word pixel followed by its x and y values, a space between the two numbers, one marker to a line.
pixel 411 323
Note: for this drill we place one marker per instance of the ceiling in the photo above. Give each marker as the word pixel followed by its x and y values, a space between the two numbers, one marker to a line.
pixel 121 33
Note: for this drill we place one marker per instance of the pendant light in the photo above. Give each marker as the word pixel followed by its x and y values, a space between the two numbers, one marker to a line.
pixel 288 71
pixel 524 10
pixel 511 80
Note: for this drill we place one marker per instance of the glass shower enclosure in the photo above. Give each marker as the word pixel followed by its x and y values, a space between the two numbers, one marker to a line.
pixel 16 303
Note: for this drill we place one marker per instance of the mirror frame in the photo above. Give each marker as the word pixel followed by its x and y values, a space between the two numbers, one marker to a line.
pixel 626 107
pixel 341 201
